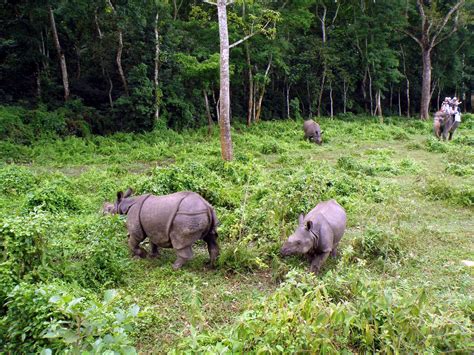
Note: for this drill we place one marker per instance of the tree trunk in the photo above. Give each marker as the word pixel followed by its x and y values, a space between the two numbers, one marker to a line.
pixel 399 103
pixel 62 58
pixel 208 112
pixel 287 100
pixel 250 109
pixel 157 68
pixel 330 98
pixel 426 85
pixel 119 63
pixel 262 92
pixel 391 96
pixel 408 97
pixel 344 95
pixel 310 104
pixel 105 72
pixel 224 97
pixel 370 93
pixel 320 98
pixel 378 99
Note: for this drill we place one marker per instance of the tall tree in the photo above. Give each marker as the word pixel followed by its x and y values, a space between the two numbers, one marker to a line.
pixel 61 56
pixel 432 32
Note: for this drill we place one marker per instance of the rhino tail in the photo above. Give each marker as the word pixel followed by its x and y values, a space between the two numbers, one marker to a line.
pixel 213 223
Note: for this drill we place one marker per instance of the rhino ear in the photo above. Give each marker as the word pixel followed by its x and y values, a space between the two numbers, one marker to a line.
pixel 309 225
pixel 119 196
pixel 301 219
pixel 128 193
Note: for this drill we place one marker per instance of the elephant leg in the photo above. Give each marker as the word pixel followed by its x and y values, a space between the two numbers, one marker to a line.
pixel 134 245
pixel 318 261
pixel 155 251
pixel 183 255
pixel 212 247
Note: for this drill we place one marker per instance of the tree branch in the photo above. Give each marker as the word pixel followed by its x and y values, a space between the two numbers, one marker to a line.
pixel 250 35
pixel 335 15
pixel 445 21
pixel 413 37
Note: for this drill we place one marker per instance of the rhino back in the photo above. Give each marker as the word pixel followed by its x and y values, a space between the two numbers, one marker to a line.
pixel 333 214
pixel 309 127
pixel 174 220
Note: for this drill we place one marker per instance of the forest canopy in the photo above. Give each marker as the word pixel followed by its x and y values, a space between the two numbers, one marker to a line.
pixel 132 65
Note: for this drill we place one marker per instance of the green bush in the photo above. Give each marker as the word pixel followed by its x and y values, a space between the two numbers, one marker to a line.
pixel 16 179
pixel 54 317
pixel 91 252
pixel 22 249
pixel 52 197
pixel 307 315
pixel 442 188
pixel 376 243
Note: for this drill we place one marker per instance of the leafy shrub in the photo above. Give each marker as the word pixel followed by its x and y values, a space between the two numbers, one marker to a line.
pixel 459 169
pixel 52 197
pixel 16 179
pixel 306 315
pixel 442 188
pixel 22 249
pixel 434 145
pixel 54 317
pixel 13 153
pixel 12 126
pixel 189 177
pixel 91 252
pixel 376 243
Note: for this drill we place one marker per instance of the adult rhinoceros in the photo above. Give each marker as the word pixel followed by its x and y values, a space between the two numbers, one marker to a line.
pixel 170 221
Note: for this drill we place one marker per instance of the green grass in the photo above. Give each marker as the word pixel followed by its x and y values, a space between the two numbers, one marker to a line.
pixel 409 200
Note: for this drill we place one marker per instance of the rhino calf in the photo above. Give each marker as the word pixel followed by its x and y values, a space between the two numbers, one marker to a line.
pixel 312 131
pixel 318 234
pixel 171 221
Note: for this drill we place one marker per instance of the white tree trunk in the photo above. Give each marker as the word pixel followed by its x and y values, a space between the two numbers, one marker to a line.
pixel 224 97
pixel 330 98
pixel 62 58
pixel 157 68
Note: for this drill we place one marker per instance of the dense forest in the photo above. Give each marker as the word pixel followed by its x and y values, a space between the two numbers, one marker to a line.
pixel 132 65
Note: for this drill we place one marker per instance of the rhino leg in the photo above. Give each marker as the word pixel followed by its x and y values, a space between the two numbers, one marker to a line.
pixel 184 255
pixel 155 251
pixel 134 245
pixel 212 247
pixel 334 252
pixel 318 261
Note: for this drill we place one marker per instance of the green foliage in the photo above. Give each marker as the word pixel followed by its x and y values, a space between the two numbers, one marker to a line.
pixel 22 249
pixel 376 243
pixel 91 252
pixel 309 315
pixel 52 197
pixel 16 179
pixel 444 188
pixel 41 317
pixel 135 112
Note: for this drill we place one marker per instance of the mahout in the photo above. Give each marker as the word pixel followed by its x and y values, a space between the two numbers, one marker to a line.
pixel 312 131
pixel 173 221
pixel 318 234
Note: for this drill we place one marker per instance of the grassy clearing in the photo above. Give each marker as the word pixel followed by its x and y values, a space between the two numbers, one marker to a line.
pixel 409 200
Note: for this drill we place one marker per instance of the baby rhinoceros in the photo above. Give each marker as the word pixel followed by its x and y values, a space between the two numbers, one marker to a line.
pixel 171 221
pixel 318 234
pixel 312 131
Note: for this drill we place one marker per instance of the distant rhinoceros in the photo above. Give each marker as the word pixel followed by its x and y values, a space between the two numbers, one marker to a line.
pixel 318 234
pixel 312 131
pixel 171 221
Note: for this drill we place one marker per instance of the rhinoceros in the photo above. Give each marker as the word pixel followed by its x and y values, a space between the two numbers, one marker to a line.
pixel 318 234
pixel 173 221
pixel 312 131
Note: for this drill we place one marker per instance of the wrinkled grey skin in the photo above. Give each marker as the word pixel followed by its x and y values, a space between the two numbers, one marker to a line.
pixel 312 131
pixel 444 125
pixel 318 234
pixel 171 221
